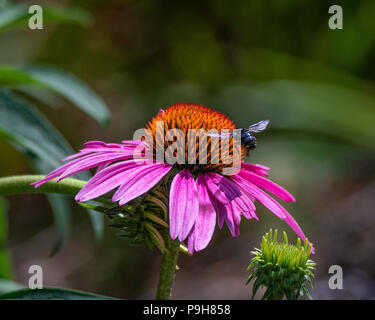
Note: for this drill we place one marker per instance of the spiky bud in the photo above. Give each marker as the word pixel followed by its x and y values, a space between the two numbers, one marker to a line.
pixel 283 269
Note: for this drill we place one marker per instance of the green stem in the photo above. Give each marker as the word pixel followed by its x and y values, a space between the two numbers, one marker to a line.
pixel 278 295
pixel 168 268
pixel 21 184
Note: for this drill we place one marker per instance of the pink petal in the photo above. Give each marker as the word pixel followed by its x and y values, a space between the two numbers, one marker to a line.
pixel 256 168
pixel 236 214
pixel 191 241
pixel 244 203
pixel 88 161
pixel 105 180
pixel 99 146
pixel 95 144
pixel 183 205
pixel 246 206
pixel 268 185
pixel 94 161
pixel 250 214
pixel 140 180
pixel 295 227
pixel 225 213
pixel 221 212
pixel 272 205
pixel 261 196
pixel 102 166
pixel 86 151
pixel 221 188
pixel 205 222
pixel 132 142
pixel 57 172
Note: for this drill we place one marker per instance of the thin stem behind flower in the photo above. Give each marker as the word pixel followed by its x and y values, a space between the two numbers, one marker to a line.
pixel 168 268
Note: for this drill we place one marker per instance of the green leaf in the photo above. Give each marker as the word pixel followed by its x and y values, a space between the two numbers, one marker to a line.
pixel 306 291
pixel 268 293
pixel 23 125
pixel 62 216
pixel 27 129
pixel 12 76
pixel 97 221
pixel 61 82
pixel 60 206
pixel 18 15
pixel 258 282
pixel 12 15
pixel 52 294
pixel 73 15
pixel 5 261
pixel 8 286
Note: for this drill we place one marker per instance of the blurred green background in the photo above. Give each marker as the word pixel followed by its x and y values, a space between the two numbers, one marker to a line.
pixel 252 60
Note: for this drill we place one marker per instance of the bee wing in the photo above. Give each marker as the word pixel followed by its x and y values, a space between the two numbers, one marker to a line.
pixel 221 135
pixel 258 127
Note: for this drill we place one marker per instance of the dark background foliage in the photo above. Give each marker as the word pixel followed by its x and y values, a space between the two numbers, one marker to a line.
pixel 252 60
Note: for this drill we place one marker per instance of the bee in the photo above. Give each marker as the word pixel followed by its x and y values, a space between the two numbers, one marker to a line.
pixel 248 139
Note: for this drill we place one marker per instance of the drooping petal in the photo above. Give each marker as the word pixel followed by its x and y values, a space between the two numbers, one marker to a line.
pixel 250 214
pixel 94 161
pixel 221 212
pixel 132 142
pixel 106 180
pixel 191 241
pixel 221 188
pixel 268 185
pixel 236 214
pixel 225 213
pixel 244 202
pixel 140 180
pixel 110 153
pixel 271 204
pixel 101 167
pixel 246 206
pixel 204 226
pixel 183 205
pixel 76 155
pixel 261 196
pixel 100 146
pixel 256 168
pixel 57 172
pixel 295 227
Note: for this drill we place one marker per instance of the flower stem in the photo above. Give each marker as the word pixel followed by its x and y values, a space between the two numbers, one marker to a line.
pixel 279 295
pixel 21 184
pixel 168 268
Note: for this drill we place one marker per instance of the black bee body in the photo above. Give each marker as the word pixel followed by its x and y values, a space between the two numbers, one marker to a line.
pixel 248 140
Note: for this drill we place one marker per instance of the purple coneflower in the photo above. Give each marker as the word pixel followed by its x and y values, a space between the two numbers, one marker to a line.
pixel 199 195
